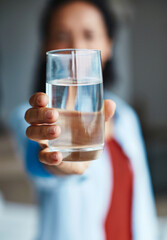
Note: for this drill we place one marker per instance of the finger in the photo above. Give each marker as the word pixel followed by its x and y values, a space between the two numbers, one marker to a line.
pixel 69 168
pixel 50 158
pixel 55 165
pixel 41 115
pixel 43 132
pixel 39 99
pixel 109 109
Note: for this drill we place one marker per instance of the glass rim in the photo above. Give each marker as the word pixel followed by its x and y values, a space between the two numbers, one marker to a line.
pixel 57 51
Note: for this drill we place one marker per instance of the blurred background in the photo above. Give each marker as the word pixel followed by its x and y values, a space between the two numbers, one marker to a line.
pixel 140 55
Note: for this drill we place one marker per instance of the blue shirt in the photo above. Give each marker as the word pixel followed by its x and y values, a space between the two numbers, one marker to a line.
pixel 74 207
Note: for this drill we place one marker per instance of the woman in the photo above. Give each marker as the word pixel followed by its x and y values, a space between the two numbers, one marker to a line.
pixel 109 198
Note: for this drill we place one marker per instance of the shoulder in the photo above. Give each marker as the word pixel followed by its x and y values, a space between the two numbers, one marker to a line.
pixel 124 112
pixel 127 128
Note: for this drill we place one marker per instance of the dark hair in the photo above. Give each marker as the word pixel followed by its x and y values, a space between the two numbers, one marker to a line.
pixel 109 19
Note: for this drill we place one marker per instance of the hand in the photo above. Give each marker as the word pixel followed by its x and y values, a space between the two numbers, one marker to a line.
pixel 38 115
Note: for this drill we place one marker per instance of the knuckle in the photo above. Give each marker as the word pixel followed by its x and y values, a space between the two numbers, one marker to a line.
pixel 28 131
pixel 43 132
pixel 44 157
pixel 31 100
pixel 27 115
pixel 37 114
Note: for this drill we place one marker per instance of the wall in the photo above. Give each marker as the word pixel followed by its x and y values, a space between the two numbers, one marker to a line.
pixel 149 49
pixel 149 60
pixel 19 45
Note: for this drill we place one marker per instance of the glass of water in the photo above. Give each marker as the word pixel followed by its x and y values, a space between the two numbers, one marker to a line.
pixel 75 88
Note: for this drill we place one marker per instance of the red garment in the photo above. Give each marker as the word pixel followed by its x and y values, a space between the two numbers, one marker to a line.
pixel 118 224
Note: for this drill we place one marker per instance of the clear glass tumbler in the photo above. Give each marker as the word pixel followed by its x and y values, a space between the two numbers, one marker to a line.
pixel 75 88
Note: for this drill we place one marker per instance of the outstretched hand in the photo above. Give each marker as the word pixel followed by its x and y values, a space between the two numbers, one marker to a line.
pixel 40 117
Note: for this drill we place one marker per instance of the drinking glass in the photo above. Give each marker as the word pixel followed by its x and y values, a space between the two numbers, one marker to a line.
pixel 75 88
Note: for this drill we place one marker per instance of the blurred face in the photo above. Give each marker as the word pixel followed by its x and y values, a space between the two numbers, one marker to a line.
pixel 79 25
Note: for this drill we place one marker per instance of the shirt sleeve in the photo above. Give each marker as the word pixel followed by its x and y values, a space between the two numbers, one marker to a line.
pixel 33 166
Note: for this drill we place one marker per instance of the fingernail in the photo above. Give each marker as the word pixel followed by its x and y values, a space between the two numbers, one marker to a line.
pixel 49 114
pixel 54 156
pixel 54 130
pixel 52 114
